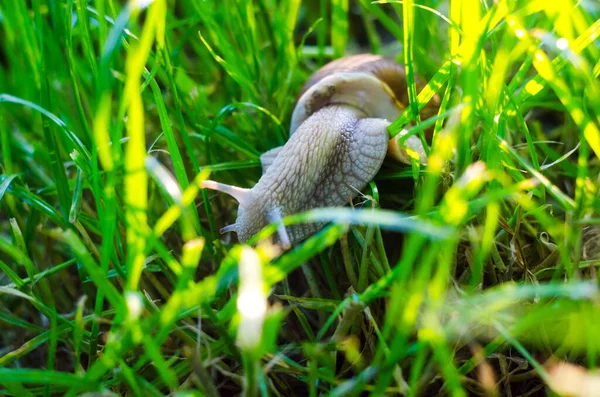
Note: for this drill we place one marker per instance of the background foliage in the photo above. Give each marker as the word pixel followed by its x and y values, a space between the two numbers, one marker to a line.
pixel 476 274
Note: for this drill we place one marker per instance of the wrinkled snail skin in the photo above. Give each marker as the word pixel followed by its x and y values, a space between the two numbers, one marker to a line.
pixel 338 141
pixel 333 154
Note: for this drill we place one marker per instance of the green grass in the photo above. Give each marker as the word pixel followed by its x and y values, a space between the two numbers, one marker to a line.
pixel 476 274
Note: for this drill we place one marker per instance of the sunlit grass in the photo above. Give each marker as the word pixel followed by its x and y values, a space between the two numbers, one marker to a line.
pixel 476 274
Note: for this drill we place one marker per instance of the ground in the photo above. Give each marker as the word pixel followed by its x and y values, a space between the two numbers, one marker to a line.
pixel 473 274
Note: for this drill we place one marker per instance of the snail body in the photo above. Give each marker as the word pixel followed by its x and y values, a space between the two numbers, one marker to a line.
pixel 338 141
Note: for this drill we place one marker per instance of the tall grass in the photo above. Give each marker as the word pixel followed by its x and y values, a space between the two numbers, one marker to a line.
pixel 474 274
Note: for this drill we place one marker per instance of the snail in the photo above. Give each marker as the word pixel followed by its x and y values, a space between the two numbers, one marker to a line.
pixel 338 142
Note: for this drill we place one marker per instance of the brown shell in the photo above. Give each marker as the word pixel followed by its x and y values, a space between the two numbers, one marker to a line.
pixel 389 72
